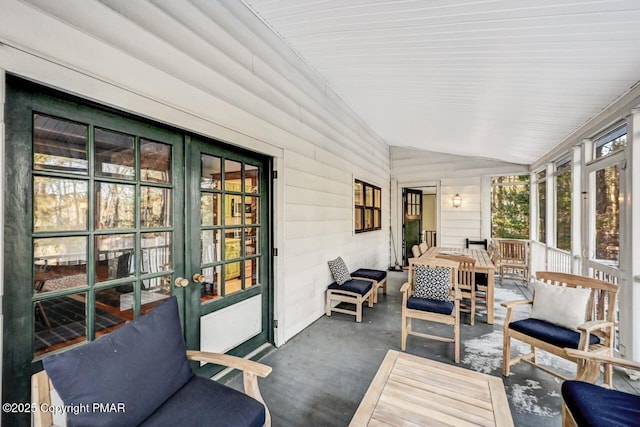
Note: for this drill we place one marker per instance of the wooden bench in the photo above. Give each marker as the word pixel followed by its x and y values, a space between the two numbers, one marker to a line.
pixel 600 323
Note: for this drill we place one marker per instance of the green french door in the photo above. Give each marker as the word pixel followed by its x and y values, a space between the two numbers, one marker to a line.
pixel 228 249
pixel 108 215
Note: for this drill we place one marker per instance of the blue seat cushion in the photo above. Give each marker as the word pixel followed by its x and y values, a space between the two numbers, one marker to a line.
pixel 204 402
pixel 550 333
pixel 595 406
pixel 377 275
pixel 354 285
pixel 432 306
pixel 140 365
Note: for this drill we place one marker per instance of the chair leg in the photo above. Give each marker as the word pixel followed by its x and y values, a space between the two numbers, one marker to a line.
pixel 371 298
pixel 375 293
pixel 534 352
pixel 328 304
pixel 473 310
pixel 506 353
pixel 359 311
pixel 608 374
pixel 406 326
pixel 456 340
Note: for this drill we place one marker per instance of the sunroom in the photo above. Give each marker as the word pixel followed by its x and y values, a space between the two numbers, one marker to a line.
pixel 223 151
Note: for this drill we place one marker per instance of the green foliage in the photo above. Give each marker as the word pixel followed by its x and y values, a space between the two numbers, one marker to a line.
pixel 510 207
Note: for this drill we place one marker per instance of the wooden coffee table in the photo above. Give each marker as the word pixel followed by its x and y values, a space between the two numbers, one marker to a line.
pixel 411 390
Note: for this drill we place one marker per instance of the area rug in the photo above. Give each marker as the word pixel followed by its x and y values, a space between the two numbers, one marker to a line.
pixel 484 354
pixel 67 319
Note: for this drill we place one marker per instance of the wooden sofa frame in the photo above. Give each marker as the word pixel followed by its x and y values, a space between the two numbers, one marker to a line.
pixel 600 321
pixel 589 372
pixel 41 386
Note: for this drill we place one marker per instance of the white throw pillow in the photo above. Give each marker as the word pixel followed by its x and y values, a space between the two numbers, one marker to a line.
pixel 566 307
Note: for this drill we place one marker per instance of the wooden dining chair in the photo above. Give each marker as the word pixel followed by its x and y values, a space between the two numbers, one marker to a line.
pixel 415 250
pixel 466 283
pixel 431 294
pixel 423 248
pixel 514 259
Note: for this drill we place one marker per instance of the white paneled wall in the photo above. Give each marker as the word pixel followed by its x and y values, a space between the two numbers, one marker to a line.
pixel 214 68
pixel 454 174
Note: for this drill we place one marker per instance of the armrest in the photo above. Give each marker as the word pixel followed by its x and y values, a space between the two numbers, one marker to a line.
pixel 595 324
pixel 511 304
pixel 405 288
pixel 595 357
pixel 235 362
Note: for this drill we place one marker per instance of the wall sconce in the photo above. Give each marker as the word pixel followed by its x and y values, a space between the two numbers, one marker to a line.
pixel 457 201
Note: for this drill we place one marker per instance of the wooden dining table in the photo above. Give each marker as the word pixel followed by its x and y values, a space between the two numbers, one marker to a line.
pixel 483 265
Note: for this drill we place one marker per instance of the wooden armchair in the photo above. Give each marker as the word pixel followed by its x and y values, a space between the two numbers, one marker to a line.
pixel 514 259
pixel 446 312
pixel 586 404
pixel 596 335
pixel 466 283
pixel 141 374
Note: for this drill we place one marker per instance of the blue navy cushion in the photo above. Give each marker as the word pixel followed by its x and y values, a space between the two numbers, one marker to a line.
pixel 432 306
pixel 204 402
pixel 550 333
pixel 354 285
pixel 595 406
pixel 140 365
pixel 431 282
pixel 377 275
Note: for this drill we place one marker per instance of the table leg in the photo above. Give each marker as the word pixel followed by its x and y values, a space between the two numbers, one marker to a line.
pixel 490 285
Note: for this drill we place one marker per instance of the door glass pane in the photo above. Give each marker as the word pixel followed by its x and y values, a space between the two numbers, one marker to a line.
pixel 251 179
pixel 154 292
pixel 251 210
pixel 59 322
pixel 59 204
pixel 114 205
pixel 155 161
pixel 232 243
pixel 251 241
pixel 156 252
pixel 59 145
pixel 210 242
pixel 232 175
pixel 250 273
pixel 155 207
pixel 59 263
pixel 118 303
pixel 607 214
pixel 233 275
pixel 210 209
pixel 210 172
pixel 114 155
pixel 233 210
pixel 114 256
pixel 211 289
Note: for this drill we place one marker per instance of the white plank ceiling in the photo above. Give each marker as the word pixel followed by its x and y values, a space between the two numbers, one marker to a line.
pixel 506 80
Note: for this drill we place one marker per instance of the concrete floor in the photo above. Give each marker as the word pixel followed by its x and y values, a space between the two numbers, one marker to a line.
pixel 320 375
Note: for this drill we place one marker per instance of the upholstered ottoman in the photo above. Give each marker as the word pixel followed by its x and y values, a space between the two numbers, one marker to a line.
pixel 379 278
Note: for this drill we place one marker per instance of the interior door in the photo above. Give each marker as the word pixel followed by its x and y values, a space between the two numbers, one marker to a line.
pixel 412 225
pixel 228 306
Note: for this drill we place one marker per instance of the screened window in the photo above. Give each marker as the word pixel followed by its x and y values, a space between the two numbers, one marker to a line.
pixel 368 207
pixel 510 206
pixel 563 205
pixel 542 206
pixel 610 142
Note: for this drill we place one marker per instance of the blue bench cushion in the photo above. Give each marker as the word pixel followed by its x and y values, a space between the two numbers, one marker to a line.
pixel 595 406
pixel 223 406
pixel 354 285
pixel 377 275
pixel 433 306
pixel 550 333
pixel 139 365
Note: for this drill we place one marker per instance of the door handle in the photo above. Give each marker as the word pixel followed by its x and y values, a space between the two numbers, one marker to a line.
pixel 181 282
pixel 199 278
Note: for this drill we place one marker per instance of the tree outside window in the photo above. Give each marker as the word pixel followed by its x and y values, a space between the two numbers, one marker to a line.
pixel 510 207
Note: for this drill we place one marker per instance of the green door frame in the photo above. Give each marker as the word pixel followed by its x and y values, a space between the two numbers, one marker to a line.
pixel 22 100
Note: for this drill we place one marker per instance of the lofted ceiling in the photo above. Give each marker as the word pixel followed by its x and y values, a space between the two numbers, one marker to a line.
pixel 506 80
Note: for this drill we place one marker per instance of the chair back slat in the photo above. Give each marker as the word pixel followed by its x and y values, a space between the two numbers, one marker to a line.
pixel 466 270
